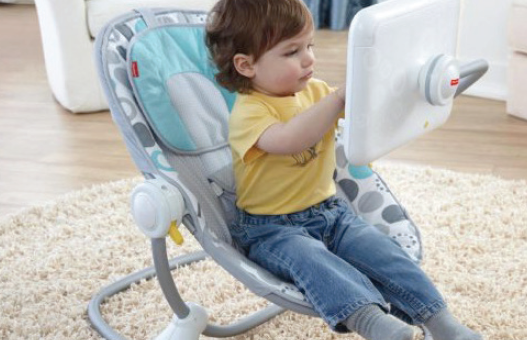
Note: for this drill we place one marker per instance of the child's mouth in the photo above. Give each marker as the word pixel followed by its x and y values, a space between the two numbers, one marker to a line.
pixel 307 76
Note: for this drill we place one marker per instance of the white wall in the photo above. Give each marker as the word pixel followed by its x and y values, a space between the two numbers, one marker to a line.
pixel 483 34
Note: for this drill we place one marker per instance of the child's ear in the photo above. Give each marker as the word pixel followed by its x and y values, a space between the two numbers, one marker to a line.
pixel 244 64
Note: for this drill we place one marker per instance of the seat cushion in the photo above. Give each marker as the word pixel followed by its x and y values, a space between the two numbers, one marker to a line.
pixel 100 12
pixel 518 26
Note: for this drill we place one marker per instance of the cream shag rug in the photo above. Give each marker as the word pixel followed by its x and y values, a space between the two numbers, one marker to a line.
pixel 54 257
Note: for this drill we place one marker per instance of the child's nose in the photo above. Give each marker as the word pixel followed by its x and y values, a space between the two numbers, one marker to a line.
pixel 309 59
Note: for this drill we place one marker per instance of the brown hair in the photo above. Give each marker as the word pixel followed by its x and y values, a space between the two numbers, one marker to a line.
pixel 251 27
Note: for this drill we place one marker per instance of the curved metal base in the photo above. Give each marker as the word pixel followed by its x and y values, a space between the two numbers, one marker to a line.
pixel 239 327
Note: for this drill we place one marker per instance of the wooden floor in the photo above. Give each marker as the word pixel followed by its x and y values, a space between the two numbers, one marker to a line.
pixel 46 151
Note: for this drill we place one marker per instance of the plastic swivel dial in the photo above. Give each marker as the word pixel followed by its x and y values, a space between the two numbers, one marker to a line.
pixel 438 79
pixel 157 208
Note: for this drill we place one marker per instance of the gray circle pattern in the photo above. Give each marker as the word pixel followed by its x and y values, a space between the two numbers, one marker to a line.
pixel 371 199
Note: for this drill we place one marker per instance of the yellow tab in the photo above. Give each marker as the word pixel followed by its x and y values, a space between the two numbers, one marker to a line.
pixel 174 233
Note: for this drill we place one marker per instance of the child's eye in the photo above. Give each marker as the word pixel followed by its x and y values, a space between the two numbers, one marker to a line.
pixel 291 53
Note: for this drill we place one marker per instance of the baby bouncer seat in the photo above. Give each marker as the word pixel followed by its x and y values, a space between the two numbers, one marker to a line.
pixel 159 82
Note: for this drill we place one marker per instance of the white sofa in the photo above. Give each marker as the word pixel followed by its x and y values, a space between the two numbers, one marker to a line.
pixel 517 73
pixel 68 28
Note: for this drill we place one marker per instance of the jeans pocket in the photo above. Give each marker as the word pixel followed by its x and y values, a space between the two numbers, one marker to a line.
pixel 258 232
pixel 248 233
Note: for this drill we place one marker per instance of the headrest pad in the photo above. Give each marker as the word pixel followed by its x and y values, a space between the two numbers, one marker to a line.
pixel 173 79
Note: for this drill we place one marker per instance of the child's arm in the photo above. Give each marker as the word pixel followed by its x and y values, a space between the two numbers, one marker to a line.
pixel 304 130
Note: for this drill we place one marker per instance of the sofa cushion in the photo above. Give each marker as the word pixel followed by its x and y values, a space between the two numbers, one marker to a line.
pixel 518 26
pixel 100 12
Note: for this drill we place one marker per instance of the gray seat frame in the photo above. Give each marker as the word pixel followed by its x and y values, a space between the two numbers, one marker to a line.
pixel 282 295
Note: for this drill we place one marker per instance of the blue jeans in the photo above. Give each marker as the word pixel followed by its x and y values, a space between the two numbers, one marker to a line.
pixel 339 262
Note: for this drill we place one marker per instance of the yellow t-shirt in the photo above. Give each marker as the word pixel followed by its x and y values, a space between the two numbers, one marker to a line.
pixel 270 184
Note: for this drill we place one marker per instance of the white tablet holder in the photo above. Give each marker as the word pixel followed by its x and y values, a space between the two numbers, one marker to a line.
pixel 402 74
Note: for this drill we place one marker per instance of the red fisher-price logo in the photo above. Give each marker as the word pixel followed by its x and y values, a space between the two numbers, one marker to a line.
pixel 135 69
pixel 454 82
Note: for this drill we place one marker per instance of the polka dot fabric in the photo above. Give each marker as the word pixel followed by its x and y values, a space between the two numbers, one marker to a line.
pixel 370 198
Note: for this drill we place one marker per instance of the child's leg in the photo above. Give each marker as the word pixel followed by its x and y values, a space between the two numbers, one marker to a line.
pixel 334 287
pixel 397 277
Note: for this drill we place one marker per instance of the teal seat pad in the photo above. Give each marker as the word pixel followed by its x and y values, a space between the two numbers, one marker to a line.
pixel 157 59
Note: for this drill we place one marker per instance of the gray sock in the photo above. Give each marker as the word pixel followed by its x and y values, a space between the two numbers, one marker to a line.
pixel 444 326
pixel 372 323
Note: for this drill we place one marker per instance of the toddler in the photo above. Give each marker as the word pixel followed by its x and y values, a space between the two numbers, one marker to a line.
pixel 281 132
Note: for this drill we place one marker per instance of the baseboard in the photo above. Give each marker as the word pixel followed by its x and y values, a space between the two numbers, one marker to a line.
pixel 487 90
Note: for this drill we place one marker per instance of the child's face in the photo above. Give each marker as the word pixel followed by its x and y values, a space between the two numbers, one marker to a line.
pixel 287 67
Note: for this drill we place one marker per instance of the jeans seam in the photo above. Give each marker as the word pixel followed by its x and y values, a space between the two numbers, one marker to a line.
pixel 428 311
pixel 326 237
pixel 347 311
pixel 329 233
pixel 419 308
pixel 277 255
pixel 315 301
pixel 339 316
